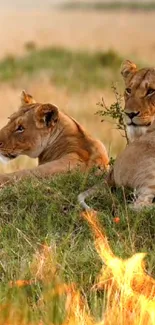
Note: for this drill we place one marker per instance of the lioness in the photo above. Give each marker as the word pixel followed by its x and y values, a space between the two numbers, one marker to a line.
pixel 139 98
pixel 57 140
pixel 135 166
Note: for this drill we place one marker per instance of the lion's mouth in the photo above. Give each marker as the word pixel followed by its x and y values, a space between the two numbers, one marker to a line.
pixel 6 158
pixel 139 125
pixel 10 156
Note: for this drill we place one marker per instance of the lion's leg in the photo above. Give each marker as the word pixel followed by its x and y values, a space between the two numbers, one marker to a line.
pixel 62 165
pixel 144 198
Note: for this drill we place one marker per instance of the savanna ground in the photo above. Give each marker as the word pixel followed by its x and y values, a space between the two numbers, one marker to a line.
pixel 70 58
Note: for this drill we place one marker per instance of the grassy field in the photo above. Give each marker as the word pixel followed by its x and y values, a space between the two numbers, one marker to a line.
pixel 78 70
pixel 70 58
pixel 35 213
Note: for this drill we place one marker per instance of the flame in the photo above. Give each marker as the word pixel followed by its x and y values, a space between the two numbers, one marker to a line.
pixel 130 290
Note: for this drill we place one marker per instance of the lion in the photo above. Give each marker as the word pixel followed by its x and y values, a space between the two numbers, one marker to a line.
pixel 134 168
pixel 139 96
pixel 58 141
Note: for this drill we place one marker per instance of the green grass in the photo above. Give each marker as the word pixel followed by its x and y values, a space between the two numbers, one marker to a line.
pixel 111 5
pixel 75 70
pixel 35 212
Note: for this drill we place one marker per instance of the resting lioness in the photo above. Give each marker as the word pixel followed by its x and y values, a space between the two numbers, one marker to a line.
pixel 57 140
pixel 135 166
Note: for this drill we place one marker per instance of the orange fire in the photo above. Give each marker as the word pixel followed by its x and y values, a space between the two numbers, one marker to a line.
pixel 130 291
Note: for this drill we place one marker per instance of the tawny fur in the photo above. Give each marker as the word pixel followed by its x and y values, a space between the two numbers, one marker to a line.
pixel 135 167
pixel 58 141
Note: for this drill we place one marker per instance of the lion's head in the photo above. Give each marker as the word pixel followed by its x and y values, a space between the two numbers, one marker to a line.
pixel 28 130
pixel 139 98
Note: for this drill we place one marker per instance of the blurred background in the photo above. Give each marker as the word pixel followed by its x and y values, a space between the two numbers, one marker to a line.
pixel 69 53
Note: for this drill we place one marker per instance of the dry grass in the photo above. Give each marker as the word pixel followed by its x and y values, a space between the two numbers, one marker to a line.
pixel 128 33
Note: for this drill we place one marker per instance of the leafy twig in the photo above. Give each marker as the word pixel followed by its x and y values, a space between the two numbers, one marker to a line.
pixel 115 111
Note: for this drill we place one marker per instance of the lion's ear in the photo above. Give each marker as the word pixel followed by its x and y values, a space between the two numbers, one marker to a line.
pixel 26 98
pixel 46 115
pixel 128 69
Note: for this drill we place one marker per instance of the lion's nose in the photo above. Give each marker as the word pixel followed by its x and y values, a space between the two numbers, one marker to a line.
pixel 132 115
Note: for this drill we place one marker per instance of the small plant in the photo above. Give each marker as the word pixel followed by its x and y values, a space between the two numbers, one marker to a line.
pixel 115 111
pixel 30 46
pixel 110 58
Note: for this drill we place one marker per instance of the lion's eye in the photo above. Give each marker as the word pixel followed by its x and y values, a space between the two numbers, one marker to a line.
pixel 150 91
pixel 128 91
pixel 19 129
